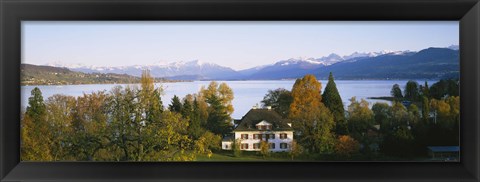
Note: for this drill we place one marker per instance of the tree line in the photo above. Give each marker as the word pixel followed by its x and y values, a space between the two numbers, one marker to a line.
pixel 400 130
pixel 125 124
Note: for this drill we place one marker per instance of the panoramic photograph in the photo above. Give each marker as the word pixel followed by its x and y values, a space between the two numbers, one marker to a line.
pixel 237 91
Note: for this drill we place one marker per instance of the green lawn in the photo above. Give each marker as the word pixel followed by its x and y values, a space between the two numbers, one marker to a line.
pixel 246 156
pixel 219 156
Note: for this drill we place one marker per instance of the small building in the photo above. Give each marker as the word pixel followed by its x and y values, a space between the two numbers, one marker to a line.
pixel 261 125
pixel 444 152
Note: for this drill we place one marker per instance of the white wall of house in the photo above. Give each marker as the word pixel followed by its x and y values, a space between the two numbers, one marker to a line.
pixel 227 145
pixel 250 141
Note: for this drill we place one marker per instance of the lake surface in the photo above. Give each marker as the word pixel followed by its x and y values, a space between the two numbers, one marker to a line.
pixel 246 93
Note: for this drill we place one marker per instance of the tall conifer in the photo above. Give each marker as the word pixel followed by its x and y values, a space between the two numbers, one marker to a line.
pixel 333 101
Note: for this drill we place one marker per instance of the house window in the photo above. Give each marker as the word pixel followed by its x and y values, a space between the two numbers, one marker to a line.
pixel 256 145
pixel 272 136
pixel 272 146
pixel 244 146
pixel 259 127
pixel 269 127
pixel 226 146
pixel 283 145
pixel 264 127
pixel 283 136
pixel 244 136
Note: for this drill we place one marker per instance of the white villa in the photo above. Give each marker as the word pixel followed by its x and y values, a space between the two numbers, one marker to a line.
pixel 261 124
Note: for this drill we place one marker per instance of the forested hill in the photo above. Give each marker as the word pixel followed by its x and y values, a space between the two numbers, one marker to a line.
pixel 48 75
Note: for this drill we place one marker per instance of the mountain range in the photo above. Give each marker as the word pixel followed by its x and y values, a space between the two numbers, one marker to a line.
pixel 430 63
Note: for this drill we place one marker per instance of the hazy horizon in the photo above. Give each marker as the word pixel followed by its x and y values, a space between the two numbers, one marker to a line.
pixel 238 45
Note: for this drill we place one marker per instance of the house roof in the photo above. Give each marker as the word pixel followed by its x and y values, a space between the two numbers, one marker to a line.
pixel 444 148
pixel 255 116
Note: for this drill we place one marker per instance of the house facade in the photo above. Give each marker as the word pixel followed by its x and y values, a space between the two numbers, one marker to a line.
pixel 261 125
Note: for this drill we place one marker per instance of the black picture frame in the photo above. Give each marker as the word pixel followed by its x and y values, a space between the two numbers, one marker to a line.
pixel 12 12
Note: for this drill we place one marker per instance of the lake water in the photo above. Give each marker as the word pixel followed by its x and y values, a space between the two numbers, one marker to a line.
pixel 246 93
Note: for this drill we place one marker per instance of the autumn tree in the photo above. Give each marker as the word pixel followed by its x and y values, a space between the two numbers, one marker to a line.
pixel 59 116
pixel 279 99
pixel 264 149
pixel 332 100
pixel 295 149
pixel 346 146
pixel 312 121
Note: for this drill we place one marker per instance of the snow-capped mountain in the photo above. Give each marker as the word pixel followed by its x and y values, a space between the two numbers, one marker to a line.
pixel 283 69
pixel 195 68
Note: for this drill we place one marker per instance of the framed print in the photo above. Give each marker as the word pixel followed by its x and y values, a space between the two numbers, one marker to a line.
pixel 239 90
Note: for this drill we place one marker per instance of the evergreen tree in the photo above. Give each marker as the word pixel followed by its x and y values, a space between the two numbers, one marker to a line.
pixel 332 100
pixel 218 119
pixel 195 128
pixel 411 91
pixel 187 109
pixel 219 99
pixel 35 133
pixel 396 92
pixel 426 90
pixel 176 105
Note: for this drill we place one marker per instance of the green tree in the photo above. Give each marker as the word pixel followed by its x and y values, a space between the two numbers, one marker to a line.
pixel 398 138
pixel 383 116
pixel 208 142
pixel 237 152
pixel 195 128
pixel 332 100
pixel 396 92
pixel 425 109
pixel 218 119
pixel 411 91
pixel 312 121
pixel 425 90
pixel 35 134
pixel 176 105
pixel 59 116
pixel 219 99
pixel 444 88
pixel 279 99
pixel 360 120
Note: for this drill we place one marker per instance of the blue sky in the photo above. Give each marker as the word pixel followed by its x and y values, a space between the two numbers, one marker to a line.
pixel 238 45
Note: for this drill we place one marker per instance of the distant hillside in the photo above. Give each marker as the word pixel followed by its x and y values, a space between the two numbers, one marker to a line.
pixel 431 63
pixel 48 75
